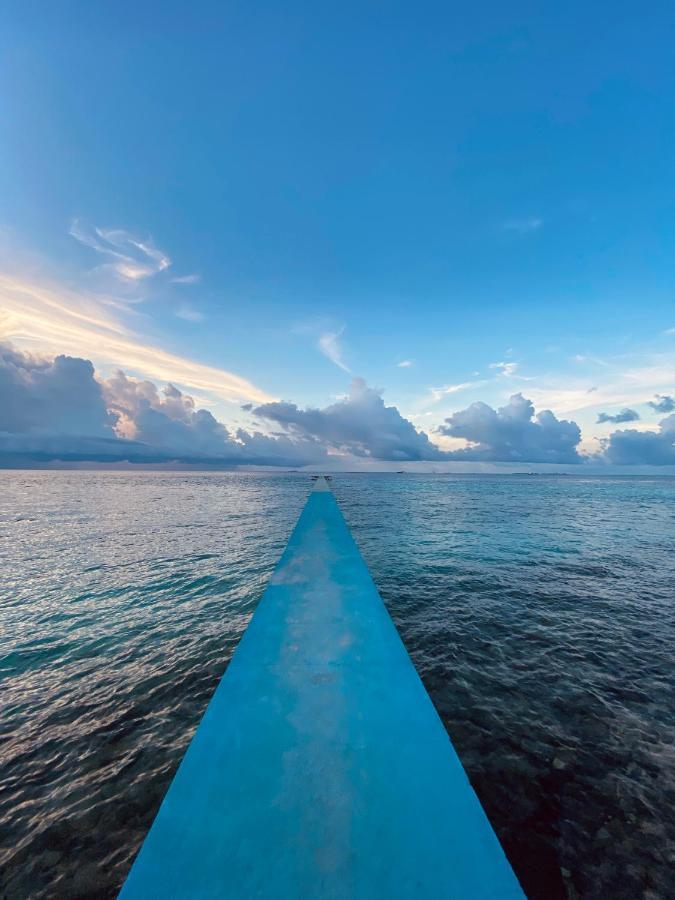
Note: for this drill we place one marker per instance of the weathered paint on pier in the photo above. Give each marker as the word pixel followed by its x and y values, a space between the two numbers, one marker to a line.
pixel 321 768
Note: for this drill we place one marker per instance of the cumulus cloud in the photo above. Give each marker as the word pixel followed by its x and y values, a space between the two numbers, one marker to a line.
pixel 664 403
pixel 131 258
pixel 42 396
pixel 513 433
pixel 360 424
pixel 626 415
pixel 168 419
pixel 57 408
pixel 652 448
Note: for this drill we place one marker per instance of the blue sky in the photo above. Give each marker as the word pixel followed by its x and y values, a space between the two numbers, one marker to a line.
pixel 295 194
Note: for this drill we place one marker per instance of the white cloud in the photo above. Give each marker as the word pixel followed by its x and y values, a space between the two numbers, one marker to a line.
pixel 585 358
pixel 129 257
pixel 56 320
pixel 58 409
pixel 186 279
pixel 360 424
pixel 329 345
pixel 619 387
pixel 507 369
pixel 437 393
pixel 513 433
pixel 189 313
pixel 523 226
pixel 405 364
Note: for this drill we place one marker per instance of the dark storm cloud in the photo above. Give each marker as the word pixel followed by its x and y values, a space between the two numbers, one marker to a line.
pixel 360 424
pixel 626 415
pixel 513 433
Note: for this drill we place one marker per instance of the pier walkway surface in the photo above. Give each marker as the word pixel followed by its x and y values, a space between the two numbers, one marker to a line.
pixel 321 768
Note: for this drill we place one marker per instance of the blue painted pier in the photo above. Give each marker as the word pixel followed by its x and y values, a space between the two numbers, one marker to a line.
pixel 321 770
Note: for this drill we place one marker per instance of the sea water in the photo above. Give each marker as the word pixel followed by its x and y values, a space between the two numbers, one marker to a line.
pixel 539 611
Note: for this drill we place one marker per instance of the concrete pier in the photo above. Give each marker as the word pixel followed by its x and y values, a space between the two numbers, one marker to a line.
pixel 321 769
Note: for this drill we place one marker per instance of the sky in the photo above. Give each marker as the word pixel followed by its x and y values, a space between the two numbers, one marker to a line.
pixel 354 235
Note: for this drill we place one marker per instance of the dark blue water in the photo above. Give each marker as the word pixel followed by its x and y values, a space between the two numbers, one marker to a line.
pixel 539 612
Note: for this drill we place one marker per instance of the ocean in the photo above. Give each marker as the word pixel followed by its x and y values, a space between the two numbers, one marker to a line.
pixel 538 610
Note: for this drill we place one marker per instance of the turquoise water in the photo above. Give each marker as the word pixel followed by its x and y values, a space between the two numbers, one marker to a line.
pixel 539 612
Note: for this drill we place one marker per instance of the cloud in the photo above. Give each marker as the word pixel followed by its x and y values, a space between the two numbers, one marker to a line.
pixel 447 389
pixel 523 226
pixel 42 396
pixel 189 313
pixel 169 420
pixel 405 364
pixel 63 321
pixel 329 345
pixel 512 433
pixel 664 403
pixel 614 386
pixel 131 258
pixel 653 448
pixel 505 368
pixel 360 424
pixel 58 409
pixel 626 415
pixel 593 360
pixel 194 278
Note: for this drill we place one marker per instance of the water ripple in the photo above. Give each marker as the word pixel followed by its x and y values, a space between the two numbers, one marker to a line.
pixel 537 610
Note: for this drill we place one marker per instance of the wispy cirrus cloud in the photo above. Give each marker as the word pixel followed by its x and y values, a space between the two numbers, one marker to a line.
pixel 525 225
pixel 129 257
pixel 329 344
pixel 194 278
pixel 57 320
pixel 507 369
pixel 405 364
pixel 584 359
pixel 189 313
pixel 621 386
pixel 438 393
